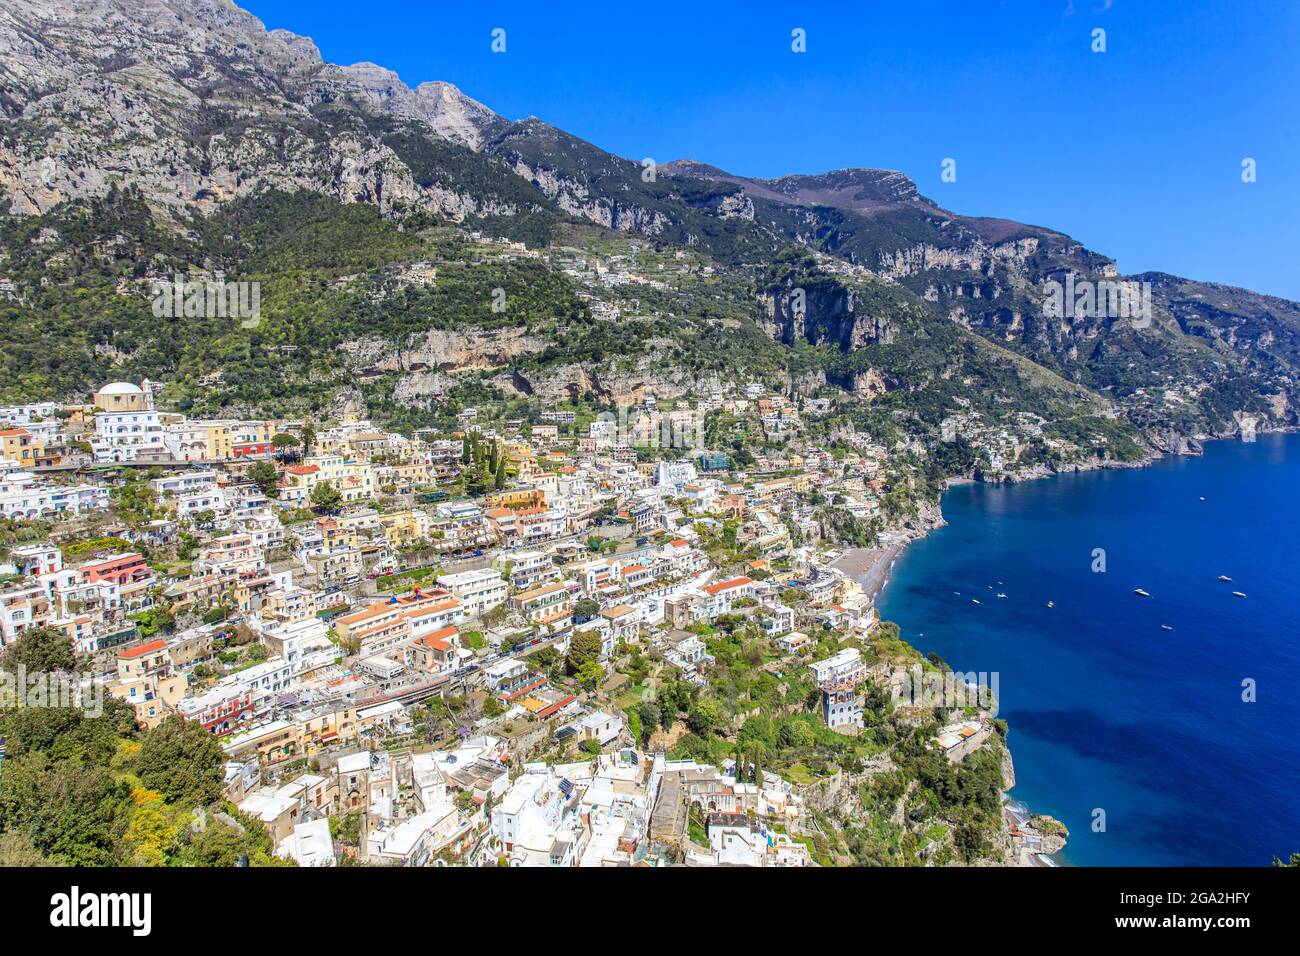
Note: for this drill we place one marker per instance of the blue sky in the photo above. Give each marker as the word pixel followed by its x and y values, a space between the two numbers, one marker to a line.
pixel 1136 151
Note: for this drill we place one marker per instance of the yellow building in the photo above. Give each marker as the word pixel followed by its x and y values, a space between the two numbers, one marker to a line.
pixel 221 439
pixel 518 498
pixel 125 397
pixel 20 446
pixel 520 454
pixel 405 528
pixel 336 536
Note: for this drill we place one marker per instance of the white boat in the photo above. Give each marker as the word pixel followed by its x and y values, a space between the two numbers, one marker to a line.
pixel 1051 604
pixel 1165 627
pixel 1140 593
pixel 1238 594
pixel 1224 577
pixel 975 600
pixel 1001 596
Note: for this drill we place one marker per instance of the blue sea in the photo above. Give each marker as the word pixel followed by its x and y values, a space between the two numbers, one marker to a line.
pixel 1108 711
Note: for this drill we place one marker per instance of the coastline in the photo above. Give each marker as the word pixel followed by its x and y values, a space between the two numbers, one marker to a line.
pixel 870 567
pixel 1191 447
pixel 1027 844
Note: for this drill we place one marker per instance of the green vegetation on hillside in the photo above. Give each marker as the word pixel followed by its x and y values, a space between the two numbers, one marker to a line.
pixel 82 790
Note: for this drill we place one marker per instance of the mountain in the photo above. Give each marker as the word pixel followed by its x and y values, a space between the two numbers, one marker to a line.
pixel 144 138
pixel 196 103
pixel 1212 355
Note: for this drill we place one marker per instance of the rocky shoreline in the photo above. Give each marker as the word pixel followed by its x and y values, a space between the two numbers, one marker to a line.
pixel 1192 447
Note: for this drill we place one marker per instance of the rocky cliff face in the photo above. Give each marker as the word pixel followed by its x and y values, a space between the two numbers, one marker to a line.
pixel 832 315
pixel 195 103
pixel 575 197
pixel 979 256
pixel 467 349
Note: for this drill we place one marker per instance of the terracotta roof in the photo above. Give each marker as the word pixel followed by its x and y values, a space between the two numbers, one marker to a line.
pixel 374 610
pixel 141 650
pixel 538 592
pixel 556 707
pixel 439 637
pixel 713 589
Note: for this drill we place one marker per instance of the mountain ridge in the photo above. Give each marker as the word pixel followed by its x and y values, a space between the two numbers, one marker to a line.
pixel 196 108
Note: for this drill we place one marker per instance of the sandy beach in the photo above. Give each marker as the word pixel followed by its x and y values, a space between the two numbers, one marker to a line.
pixel 870 566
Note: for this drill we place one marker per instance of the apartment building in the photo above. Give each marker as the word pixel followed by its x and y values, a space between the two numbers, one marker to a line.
pixel 146 681
pixel 479 591
pixel 543 605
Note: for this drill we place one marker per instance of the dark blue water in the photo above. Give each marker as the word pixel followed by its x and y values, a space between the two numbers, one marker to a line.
pixel 1107 710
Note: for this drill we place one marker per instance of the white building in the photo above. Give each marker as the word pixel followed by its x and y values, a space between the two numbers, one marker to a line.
pixel 674 474
pixel 310 844
pixel 536 823
pixel 184 481
pixel 838 677
pixel 127 427
pixel 479 591
pixel 22 496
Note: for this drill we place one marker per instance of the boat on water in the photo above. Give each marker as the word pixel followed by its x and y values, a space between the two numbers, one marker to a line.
pixel 1166 627
pixel 975 600
pixel 1238 594
pixel 1001 596
pixel 1051 604
pixel 1140 593
pixel 1224 577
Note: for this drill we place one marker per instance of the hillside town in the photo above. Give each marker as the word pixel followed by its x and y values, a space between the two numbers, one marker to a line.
pixel 501 645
